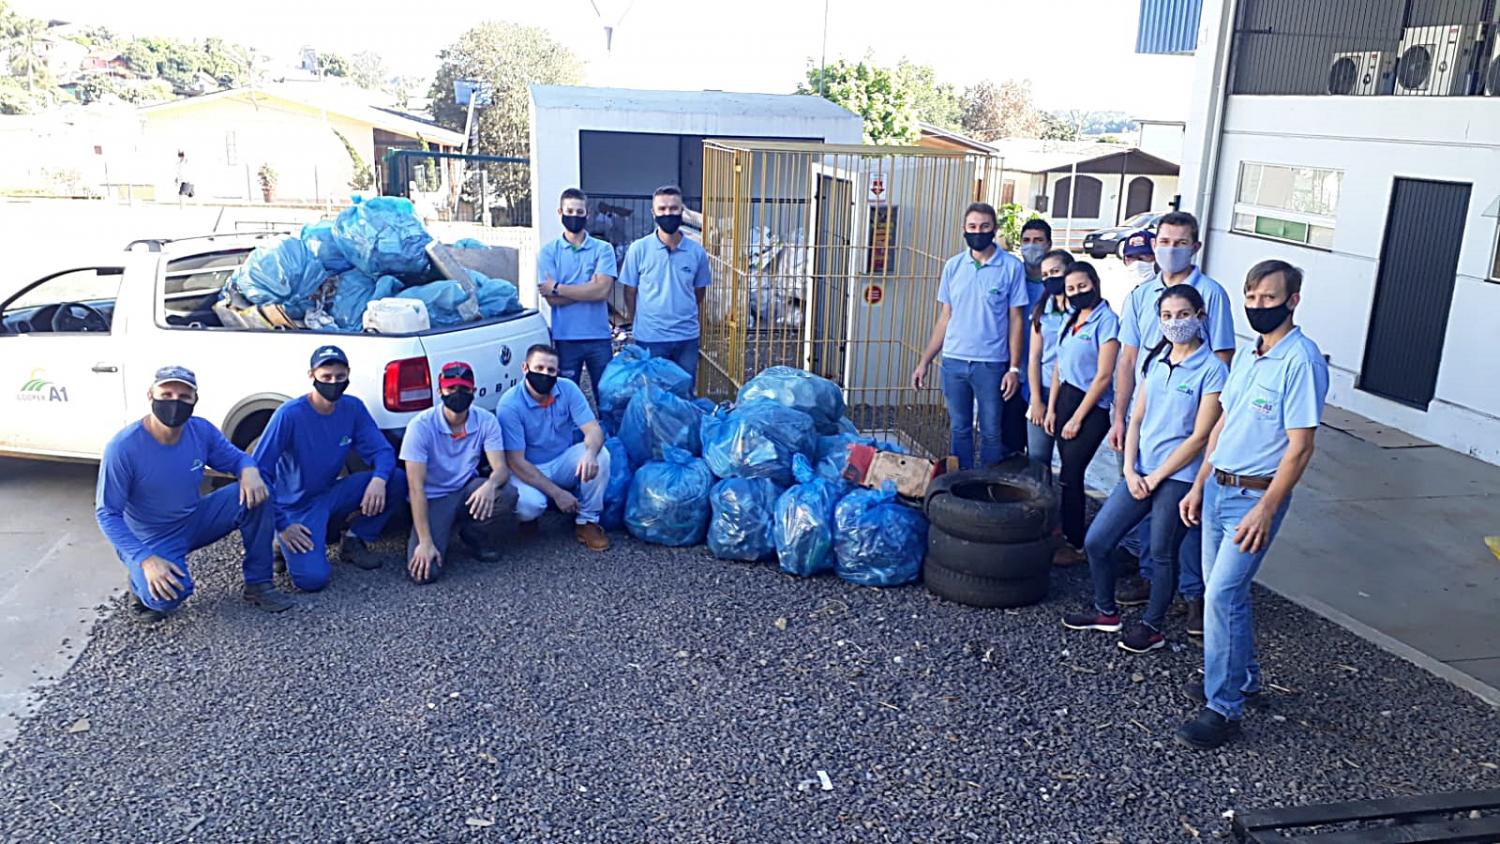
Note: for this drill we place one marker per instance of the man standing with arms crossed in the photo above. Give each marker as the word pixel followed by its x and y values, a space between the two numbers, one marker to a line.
pixel 575 274
pixel 666 276
pixel 981 309
pixel 1273 402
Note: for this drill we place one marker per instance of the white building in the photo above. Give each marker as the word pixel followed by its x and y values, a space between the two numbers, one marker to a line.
pixel 1161 138
pixel 1385 191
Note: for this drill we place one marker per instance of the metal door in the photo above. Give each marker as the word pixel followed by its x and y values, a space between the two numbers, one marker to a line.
pixel 832 230
pixel 1414 290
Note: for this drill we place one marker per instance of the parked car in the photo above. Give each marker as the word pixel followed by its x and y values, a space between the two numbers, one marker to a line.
pixel 1110 241
pixel 78 347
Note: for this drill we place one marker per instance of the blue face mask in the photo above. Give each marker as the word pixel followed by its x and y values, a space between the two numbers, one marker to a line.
pixel 1032 253
pixel 1174 259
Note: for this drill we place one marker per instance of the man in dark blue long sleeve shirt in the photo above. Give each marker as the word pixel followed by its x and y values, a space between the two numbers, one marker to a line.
pixel 301 454
pixel 149 508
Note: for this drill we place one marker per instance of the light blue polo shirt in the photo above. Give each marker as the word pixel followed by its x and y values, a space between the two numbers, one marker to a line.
pixel 452 461
pixel 1140 320
pixel 569 264
pixel 1173 394
pixel 1266 395
pixel 542 431
pixel 981 296
pixel 666 282
pixel 1052 321
pixel 1078 350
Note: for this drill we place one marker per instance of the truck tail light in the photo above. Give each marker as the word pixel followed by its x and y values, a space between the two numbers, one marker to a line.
pixel 408 385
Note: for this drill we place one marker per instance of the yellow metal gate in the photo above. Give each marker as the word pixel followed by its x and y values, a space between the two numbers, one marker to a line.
pixel 827 258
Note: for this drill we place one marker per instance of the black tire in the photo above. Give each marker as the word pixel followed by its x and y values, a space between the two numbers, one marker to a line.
pixel 984 591
pixel 989 505
pixel 998 561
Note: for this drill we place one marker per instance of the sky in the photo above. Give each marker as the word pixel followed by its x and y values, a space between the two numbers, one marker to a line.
pixel 1076 53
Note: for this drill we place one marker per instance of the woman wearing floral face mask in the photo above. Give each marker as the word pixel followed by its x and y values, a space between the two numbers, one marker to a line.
pixel 1047 317
pixel 1176 408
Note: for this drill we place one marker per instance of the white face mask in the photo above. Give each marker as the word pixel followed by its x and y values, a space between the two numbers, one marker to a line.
pixel 1141 270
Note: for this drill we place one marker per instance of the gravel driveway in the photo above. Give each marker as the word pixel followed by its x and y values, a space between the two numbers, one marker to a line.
pixel 652 694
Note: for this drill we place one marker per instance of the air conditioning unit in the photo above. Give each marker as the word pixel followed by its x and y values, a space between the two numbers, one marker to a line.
pixel 1437 60
pixel 1364 73
pixel 1490 71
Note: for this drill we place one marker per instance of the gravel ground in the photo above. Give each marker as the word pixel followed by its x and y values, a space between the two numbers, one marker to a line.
pixel 652 694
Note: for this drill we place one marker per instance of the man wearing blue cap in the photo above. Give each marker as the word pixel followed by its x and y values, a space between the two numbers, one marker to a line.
pixel 148 505
pixel 301 454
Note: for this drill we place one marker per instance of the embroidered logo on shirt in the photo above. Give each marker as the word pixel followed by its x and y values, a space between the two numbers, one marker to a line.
pixel 345 440
pixel 197 466
pixel 1185 389
pixel 1263 407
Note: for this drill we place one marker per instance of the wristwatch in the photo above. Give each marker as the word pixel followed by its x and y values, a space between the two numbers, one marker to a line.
pixel 1016 370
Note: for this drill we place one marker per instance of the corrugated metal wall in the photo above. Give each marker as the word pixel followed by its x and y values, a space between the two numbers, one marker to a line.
pixel 1168 26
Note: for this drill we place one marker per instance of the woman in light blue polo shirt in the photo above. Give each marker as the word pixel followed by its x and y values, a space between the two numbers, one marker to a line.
pixel 1176 408
pixel 1047 317
pixel 1082 388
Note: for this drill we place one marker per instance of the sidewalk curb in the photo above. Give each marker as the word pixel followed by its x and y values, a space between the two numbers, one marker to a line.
pixel 1474 686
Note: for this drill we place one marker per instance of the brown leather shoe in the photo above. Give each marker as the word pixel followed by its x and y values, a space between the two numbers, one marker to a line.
pixel 1067 555
pixel 593 536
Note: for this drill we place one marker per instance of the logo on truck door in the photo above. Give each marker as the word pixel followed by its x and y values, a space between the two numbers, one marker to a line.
pixel 39 388
pixel 504 355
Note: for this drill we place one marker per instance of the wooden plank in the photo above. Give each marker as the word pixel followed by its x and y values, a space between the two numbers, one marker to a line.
pixel 1364 810
pixel 1481 831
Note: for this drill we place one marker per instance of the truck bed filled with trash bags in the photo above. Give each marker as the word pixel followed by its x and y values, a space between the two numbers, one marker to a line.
pixel 374 268
pixel 759 479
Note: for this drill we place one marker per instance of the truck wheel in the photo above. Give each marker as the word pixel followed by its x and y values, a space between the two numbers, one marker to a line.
pixel 1000 561
pixel 989 505
pixel 983 591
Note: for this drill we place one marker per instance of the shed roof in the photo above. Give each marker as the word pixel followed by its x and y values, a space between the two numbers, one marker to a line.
pixel 689 102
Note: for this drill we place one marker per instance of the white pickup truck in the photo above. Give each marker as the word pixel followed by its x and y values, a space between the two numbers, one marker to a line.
pixel 79 345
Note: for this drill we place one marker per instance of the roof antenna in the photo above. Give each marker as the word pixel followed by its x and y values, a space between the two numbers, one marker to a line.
pixel 609 28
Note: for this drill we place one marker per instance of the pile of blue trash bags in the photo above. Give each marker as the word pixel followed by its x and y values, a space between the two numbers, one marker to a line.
pixel 374 249
pixel 759 479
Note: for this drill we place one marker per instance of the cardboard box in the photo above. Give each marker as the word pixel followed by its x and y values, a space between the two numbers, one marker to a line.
pixel 869 467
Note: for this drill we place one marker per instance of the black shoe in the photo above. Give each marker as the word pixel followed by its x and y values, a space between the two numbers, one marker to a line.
pixel 1125 562
pixel 1143 638
pixel 480 547
pixel 1195 617
pixel 1092 620
pixel 1208 731
pixel 356 552
pixel 1135 593
pixel 265 597
pixel 1193 691
pixel 143 612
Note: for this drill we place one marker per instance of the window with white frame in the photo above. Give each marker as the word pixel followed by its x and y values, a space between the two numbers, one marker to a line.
pixel 1295 204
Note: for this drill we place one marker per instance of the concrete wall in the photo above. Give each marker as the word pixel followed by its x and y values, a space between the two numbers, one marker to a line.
pixel 1372 140
pixel 1163 140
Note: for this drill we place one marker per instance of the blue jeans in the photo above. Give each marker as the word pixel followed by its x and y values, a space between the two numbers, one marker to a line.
pixel 1190 565
pixel 966 382
pixel 1229 665
pixel 309 570
pixel 573 356
pixel 1039 445
pixel 684 353
pixel 213 517
pixel 1119 515
pixel 1138 544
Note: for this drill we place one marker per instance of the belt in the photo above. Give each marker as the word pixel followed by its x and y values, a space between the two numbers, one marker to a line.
pixel 1261 482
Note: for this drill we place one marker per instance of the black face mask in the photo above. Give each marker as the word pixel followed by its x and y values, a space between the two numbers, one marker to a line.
pixel 1084 299
pixel 541 382
pixel 174 413
pixel 1266 320
pixel 669 223
pixel 1054 285
pixel 979 241
pixel 458 401
pixel 574 223
pixel 331 390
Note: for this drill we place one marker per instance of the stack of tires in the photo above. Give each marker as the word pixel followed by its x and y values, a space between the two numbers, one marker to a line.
pixel 989 542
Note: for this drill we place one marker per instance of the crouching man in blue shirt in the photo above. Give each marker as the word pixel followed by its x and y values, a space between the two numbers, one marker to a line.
pixel 301 455
pixel 1273 402
pixel 148 505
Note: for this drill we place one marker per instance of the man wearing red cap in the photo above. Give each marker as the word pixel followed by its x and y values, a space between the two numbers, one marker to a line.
pixel 441 448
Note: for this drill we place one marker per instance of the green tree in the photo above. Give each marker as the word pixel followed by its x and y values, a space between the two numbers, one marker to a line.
pixel 362 178
pixel 1055 128
pixel 932 101
pixel 880 95
pixel 367 70
pixel 508 58
pixel 992 111
pixel 333 64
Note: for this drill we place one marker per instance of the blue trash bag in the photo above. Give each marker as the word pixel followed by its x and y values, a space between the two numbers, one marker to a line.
pixel 705 405
pixel 354 293
pixel 286 274
pixel 442 299
pixel 470 243
pixel 320 241
pixel 382 236
pixel 877 541
pixel 618 488
pixel 757 441
pixel 743 517
pixel 630 371
pixel 669 500
pixel 497 297
pixel 798 389
pixel 804 522
pixel 655 419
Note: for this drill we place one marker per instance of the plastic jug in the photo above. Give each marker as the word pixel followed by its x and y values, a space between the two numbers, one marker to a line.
pixel 396 316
